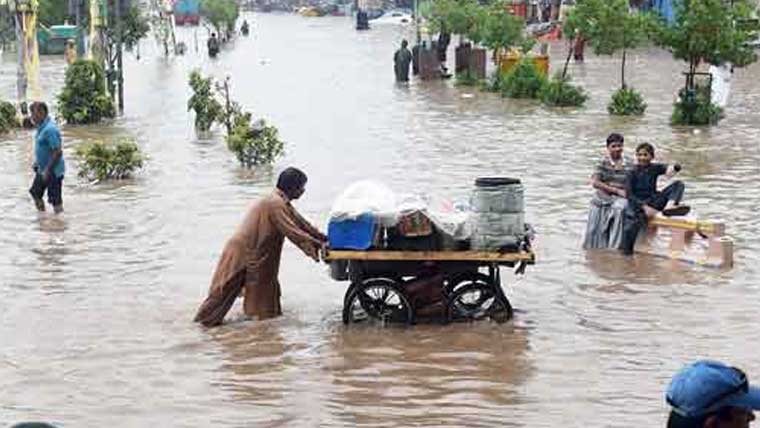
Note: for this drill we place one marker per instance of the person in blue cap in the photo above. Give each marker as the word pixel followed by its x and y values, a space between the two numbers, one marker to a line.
pixel 710 394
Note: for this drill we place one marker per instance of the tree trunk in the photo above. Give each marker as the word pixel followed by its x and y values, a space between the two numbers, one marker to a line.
pixel 570 50
pixel 622 71
pixel 21 77
pixel 119 51
pixel 28 55
pixel 690 77
pixel 227 107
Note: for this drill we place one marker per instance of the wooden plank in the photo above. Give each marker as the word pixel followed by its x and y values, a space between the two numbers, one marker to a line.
pixel 691 224
pixel 474 256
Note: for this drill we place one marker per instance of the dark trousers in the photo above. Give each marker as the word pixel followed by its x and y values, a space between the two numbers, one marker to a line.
pixel 673 192
pixel 54 188
pixel 634 217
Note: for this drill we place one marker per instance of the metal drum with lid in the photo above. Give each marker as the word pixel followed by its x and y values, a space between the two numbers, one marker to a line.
pixel 497 218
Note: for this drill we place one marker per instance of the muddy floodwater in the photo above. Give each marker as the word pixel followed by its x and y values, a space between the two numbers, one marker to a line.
pixel 96 305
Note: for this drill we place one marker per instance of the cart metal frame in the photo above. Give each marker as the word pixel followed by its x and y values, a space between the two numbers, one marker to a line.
pixel 378 278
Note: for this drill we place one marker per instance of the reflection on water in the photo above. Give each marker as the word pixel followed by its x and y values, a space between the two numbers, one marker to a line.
pixel 96 304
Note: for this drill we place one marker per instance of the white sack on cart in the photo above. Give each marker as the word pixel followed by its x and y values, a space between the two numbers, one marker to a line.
pixel 453 219
pixel 450 218
pixel 372 197
pixel 366 197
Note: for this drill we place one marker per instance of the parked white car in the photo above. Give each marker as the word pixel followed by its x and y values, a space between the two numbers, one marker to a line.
pixel 397 17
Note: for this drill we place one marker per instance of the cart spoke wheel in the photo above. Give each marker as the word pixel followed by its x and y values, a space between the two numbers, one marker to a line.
pixel 377 300
pixel 478 301
pixel 461 281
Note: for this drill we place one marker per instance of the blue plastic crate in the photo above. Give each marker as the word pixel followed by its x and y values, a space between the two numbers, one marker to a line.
pixel 355 234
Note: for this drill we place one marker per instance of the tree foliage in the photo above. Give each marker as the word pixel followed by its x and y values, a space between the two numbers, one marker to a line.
pixel 254 143
pixel 558 92
pixel 132 27
pixel 102 161
pixel 694 107
pixel 626 102
pixel 610 27
pixel 523 81
pixel 501 29
pixel 711 31
pixel 708 31
pixel 84 99
pixel 8 117
pixel 203 102
pixel 220 14
pixel 455 16
pixel 489 24
pixel 52 12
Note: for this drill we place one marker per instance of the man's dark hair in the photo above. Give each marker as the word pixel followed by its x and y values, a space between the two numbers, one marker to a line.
pixel 614 138
pixel 39 105
pixel 646 146
pixel 291 180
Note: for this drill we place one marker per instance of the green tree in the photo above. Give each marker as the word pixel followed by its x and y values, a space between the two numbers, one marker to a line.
pixel 558 92
pixel 610 27
pixel 8 117
pixel 53 12
pixel 220 14
pixel 203 102
pixel 710 31
pixel 84 99
pixel 457 16
pixel 500 29
pixel 523 81
pixel 103 161
pixel 254 143
pixel 132 27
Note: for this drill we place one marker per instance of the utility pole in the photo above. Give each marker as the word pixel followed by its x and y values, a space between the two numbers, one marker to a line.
pixel 119 52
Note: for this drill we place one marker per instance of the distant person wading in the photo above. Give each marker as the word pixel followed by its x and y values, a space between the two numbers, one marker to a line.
pixel 213 45
pixel 48 160
pixel 401 60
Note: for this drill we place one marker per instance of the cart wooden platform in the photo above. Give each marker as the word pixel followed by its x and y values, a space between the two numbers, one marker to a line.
pixel 382 284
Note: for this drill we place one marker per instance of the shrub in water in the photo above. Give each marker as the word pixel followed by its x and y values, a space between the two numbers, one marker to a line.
pixel 203 102
pixel 84 99
pixel 101 161
pixel 8 119
pixel 627 102
pixel 558 92
pixel 466 78
pixel 254 143
pixel 523 81
pixel 695 108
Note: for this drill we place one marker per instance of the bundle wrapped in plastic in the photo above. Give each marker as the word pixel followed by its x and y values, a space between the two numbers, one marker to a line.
pixel 366 197
pixel 368 205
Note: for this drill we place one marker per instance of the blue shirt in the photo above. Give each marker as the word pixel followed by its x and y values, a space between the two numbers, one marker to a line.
pixel 47 139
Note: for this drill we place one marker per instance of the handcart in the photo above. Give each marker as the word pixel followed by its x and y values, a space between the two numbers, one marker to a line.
pixel 380 282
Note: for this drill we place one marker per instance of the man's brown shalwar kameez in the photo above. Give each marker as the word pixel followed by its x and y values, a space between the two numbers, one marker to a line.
pixel 251 259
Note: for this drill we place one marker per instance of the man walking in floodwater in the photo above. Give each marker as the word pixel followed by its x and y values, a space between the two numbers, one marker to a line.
pixel 251 258
pixel 401 60
pixel 48 160
pixel 213 45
